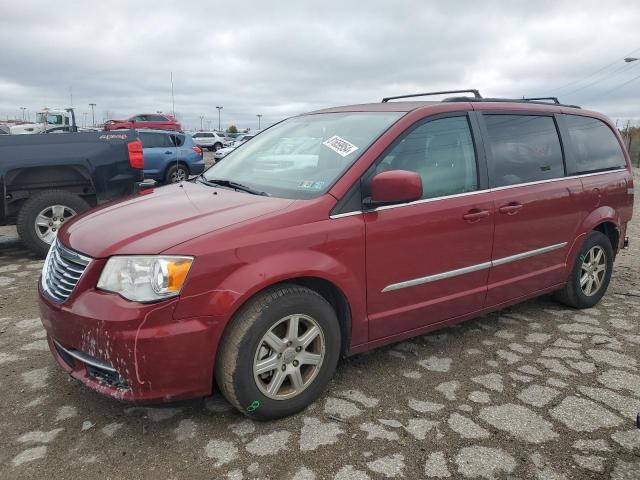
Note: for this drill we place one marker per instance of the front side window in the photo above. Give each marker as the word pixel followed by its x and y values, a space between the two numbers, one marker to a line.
pixel 441 152
pixel 524 148
pixel 595 147
pixel 332 143
pixel 156 118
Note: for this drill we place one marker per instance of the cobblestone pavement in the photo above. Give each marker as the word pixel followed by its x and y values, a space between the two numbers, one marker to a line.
pixel 536 391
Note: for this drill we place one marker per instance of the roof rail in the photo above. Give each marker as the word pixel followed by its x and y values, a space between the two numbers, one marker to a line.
pixel 553 99
pixel 475 92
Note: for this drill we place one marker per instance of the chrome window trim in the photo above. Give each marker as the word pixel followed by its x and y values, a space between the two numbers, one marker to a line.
pixel 473 268
pixel 476 192
pixel 84 358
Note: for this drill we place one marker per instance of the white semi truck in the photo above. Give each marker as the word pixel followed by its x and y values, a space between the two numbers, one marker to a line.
pixel 47 119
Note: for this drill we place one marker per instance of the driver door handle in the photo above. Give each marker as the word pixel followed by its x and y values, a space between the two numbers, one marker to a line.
pixel 475 215
pixel 510 209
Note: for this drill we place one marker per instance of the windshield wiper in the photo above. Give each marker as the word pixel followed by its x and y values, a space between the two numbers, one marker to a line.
pixel 230 184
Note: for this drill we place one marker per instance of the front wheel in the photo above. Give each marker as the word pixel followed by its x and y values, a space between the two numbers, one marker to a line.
pixel 591 273
pixel 217 147
pixel 279 353
pixel 43 214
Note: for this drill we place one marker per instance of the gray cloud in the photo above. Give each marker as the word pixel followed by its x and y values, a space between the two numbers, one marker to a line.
pixel 282 58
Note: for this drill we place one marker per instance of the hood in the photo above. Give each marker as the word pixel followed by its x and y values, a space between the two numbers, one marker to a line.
pixel 161 218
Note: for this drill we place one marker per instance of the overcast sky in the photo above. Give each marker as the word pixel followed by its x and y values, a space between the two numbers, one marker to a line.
pixel 283 58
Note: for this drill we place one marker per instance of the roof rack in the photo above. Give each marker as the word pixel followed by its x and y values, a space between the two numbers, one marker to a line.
pixel 479 98
pixel 475 92
pixel 537 99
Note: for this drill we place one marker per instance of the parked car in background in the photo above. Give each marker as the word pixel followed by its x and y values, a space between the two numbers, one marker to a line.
pixel 47 179
pixel 401 218
pixel 239 140
pixel 154 121
pixel 213 141
pixel 170 157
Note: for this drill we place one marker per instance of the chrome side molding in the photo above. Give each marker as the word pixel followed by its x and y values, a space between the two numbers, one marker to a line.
pixel 472 268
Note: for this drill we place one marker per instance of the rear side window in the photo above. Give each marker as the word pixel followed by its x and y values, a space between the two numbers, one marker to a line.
pixel 441 152
pixel 155 140
pixel 595 146
pixel 178 140
pixel 524 148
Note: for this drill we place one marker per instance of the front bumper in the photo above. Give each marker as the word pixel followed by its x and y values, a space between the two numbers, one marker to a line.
pixel 131 351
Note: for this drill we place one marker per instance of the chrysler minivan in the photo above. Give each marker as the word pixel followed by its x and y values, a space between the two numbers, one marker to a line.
pixel 400 218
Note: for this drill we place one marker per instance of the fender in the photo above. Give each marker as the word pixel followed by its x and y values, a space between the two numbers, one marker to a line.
pixel 600 215
pixel 243 283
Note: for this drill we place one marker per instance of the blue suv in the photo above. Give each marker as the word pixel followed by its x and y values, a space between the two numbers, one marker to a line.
pixel 170 157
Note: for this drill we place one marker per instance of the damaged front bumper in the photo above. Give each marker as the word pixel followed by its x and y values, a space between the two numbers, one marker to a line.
pixel 128 350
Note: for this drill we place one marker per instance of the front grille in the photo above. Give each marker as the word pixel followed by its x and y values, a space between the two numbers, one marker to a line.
pixel 62 271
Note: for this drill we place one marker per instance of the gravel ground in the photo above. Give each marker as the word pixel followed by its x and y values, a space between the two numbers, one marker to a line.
pixel 536 391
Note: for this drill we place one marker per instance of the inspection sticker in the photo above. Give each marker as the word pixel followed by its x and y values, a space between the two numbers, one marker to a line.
pixel 340 145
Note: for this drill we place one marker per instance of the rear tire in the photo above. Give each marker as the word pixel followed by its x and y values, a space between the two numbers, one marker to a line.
pixel 176 173
pixel 591 274
pixel 259 347
pixel 36 225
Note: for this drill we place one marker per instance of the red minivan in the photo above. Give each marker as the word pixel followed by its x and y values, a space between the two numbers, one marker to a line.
pixel 332 233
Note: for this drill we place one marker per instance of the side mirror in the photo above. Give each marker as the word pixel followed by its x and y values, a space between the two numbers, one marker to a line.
pixel 394 186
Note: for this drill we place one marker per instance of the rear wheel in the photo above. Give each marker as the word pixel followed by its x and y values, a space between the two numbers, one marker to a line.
pixel 591 273
pixel 41 217
pixel 279 353
pixel 177 173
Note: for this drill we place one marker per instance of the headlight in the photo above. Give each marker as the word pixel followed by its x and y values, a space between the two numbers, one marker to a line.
pixel 145 278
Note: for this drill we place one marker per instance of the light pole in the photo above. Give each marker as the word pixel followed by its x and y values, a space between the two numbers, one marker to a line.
pixel 84 121
pixel 631 59
pixel 93 114
pixel 201 119
pixel 23 109
pixel 219 108
pixel 259 117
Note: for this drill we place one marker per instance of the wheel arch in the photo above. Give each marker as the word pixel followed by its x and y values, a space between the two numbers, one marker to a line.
pixel 604 220
pixel 327 289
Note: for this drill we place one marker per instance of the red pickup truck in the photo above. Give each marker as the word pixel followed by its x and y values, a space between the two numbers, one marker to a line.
pixel 332 233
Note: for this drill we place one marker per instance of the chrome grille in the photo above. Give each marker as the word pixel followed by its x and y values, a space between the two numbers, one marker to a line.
pixel 62 271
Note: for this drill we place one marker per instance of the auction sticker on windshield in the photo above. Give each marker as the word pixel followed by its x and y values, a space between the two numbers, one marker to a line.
pixel 340 145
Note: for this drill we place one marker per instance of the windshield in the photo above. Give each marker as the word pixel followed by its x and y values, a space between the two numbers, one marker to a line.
pixel 49 118
pixel 302 157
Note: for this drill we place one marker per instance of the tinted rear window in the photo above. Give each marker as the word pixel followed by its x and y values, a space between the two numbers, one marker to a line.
pixel 595 146
pixel 524 148
pixel 155 140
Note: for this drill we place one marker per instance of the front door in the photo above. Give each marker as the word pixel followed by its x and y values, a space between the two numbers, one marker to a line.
pixel 428 261
pixel 537 213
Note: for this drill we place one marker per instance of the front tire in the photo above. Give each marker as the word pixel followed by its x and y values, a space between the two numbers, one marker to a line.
pixel 217 147
pixel 43 214
pixel 591 273
pixel 279 352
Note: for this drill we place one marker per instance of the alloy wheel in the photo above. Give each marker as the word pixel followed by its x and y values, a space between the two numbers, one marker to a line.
pixel 289 357
pixel 179 175
pixel 49 221
pixel 593 271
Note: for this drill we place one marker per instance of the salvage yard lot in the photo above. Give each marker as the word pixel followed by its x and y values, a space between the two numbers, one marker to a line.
pixel 533 391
